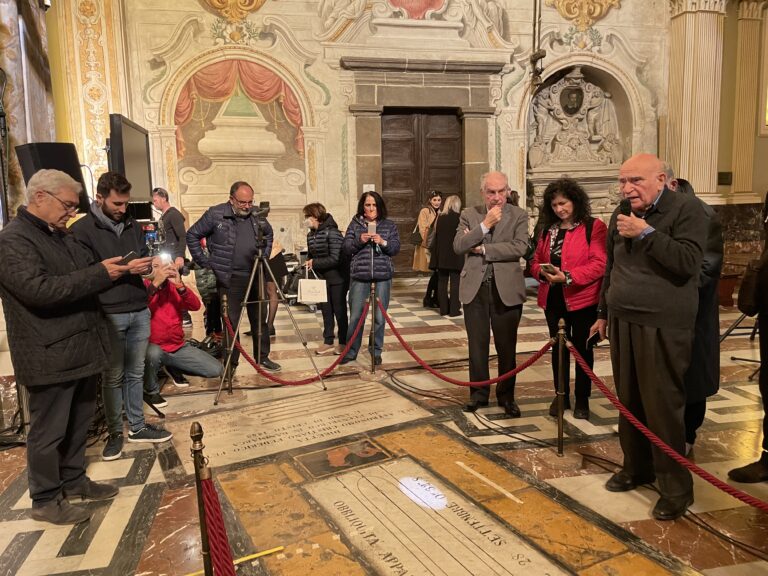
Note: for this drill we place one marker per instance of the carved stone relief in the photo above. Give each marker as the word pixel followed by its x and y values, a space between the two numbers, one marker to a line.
pixel 573 121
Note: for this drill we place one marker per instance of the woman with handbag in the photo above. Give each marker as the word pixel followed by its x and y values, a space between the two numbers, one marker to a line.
pixel 569 264
pixel 324 243
pixel 370 243
pixel 444 259
pixel 420 240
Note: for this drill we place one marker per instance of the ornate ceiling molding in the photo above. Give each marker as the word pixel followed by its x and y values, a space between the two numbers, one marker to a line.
pixel 583 13
pixel 232 10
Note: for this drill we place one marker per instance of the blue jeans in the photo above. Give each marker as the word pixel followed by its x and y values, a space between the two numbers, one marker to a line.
pixel 358 296
pixel 188 359
pixel 124 380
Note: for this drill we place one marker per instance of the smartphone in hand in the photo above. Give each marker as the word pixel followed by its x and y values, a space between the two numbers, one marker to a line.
pixel 593 340
pixel 548 268
pixel 128 257
pixel 372 228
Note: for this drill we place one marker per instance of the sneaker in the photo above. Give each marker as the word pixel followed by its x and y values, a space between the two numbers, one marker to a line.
pixel 325 349
pixel 339 349
pixel 270 366
pixel 150 433
pixel 114 448
pixel 60 512
pixel 156 400
pixel 176 377
pixel 91 490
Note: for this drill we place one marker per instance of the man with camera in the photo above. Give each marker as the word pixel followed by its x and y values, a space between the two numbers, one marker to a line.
pixel 108 231
pixel 169 298
pixel 58 339
pixel 236 232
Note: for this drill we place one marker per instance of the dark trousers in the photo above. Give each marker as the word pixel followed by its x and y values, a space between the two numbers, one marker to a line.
pixel 648 368
pixel 213 316
pixel 577 325
pixel 235 296
pixel 335 308
pixel 694 418
pixel 449 304
pixel 60 415
pixel 431 293
pixel 486 313
pixel 762 327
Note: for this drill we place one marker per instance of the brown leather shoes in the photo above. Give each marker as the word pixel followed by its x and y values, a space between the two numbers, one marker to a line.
pixel 751 473
pixel 60 512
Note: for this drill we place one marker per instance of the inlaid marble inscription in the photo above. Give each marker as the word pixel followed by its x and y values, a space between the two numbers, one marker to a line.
pixel 406 522
pixel 285 424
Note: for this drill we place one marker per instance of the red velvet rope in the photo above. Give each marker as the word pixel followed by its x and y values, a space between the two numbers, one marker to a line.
pixel 532 360
pixel 716 482
pixel 305 381
pixel 218 544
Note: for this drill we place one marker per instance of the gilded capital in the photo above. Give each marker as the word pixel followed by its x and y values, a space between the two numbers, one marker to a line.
pixel 232 10
pixel 583 13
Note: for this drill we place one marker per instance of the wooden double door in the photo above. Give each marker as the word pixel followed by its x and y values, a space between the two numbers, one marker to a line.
pixel 421 150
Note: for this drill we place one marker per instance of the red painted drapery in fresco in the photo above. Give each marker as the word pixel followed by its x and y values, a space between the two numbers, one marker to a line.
pixel 217 82
pixel 416 9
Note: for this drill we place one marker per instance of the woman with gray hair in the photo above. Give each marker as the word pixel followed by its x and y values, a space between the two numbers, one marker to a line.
pixel 443 259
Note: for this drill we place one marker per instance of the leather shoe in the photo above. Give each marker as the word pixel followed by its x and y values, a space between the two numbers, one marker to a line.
pixel 473 406
pixel 671 508
pixel 346 360
pixel 512 409
pixel 60 512
pixel 581 409
pixel 623 482
pixel 91 490
pixel 553 406
pixel 751 473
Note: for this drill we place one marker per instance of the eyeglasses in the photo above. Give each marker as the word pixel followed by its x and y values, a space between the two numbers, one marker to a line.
pixel 68 206
pixel 243 203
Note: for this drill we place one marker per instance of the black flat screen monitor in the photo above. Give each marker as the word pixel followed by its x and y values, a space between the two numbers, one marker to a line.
pixel 129 155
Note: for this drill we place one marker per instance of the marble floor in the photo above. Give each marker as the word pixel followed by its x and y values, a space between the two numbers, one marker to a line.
pixel 382 473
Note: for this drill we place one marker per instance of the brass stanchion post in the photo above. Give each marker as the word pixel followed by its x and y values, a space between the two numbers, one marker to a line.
pixel 561 376
pixel 202 472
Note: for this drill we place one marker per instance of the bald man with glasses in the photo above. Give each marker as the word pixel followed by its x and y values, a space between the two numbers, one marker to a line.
pixel 232 231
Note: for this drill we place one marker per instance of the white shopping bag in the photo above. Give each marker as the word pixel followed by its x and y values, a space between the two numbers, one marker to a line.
pixel 312 290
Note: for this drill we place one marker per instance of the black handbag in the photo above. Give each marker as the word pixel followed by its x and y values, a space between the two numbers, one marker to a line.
pixel 749 290
pixel 416 238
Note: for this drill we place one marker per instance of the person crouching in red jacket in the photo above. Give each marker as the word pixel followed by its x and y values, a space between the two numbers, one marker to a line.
pixel 169 298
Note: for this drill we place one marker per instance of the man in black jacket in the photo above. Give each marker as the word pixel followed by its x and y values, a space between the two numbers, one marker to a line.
pixel 108 231
pixel 648 308
pixel 231 231
pixel 58 340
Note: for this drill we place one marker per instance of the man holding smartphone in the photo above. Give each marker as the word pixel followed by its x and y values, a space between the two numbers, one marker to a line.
pixel 232 231
pixel 108 231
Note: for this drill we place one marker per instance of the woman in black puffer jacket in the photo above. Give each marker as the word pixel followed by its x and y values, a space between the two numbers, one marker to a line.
pixel 324 257
pixel 371 261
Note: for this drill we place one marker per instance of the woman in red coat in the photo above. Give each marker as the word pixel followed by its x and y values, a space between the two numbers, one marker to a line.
pixel 569 264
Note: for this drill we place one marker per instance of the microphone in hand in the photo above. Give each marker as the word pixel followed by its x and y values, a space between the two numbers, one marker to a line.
pixel 625 209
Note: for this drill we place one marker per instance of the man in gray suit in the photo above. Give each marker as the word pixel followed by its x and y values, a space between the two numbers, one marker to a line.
pixel 493 237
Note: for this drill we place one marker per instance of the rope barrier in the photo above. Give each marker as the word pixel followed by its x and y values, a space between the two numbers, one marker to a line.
pixel 221 556
pixel 716 482
pixel 532 360
pixel 305 381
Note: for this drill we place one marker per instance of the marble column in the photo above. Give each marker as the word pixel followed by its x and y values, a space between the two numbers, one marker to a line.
pixel 747 89
pixel 695 75
pixel 367 120
pixel 476 123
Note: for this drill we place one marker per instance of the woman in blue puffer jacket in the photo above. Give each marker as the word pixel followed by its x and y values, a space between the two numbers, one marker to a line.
pixel 371 261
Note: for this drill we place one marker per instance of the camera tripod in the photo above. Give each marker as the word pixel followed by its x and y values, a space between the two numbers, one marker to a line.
pixel 257 273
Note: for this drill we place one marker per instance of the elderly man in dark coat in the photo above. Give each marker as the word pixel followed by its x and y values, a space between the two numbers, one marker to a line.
pixel 58 340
